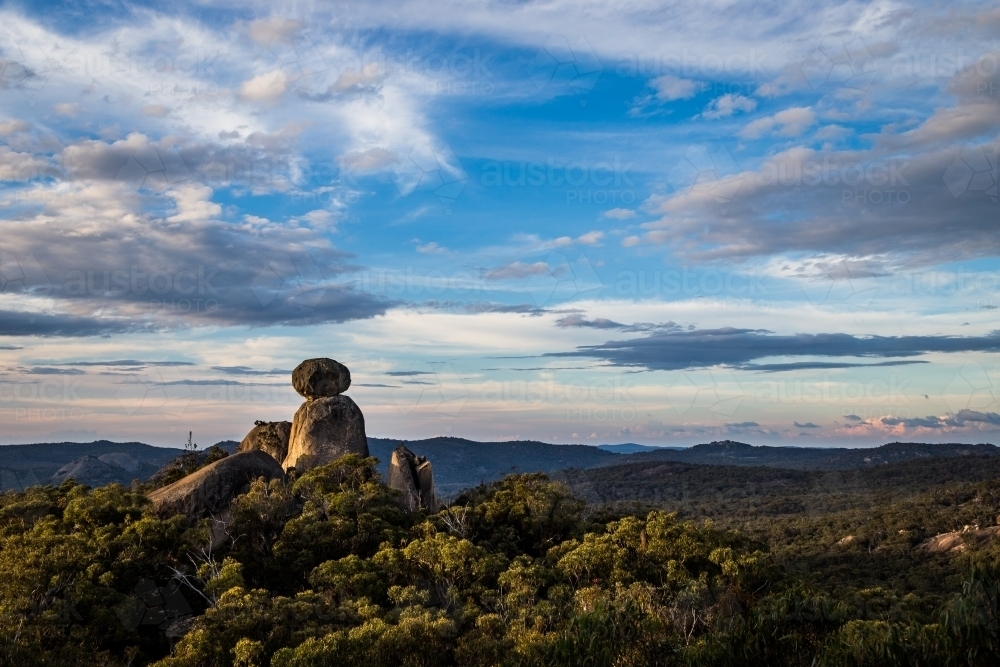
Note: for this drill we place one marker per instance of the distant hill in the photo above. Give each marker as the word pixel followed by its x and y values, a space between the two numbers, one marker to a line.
pixel 728 492
pixel 729 452
pixel 460 463
pixel 631 448
pixel 22 466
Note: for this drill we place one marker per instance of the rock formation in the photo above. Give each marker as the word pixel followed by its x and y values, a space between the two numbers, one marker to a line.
pixel 412 476
pixel 321 378
pixel 323 430
pixel 268 437
pixel 957 541
pixel 328 425
pixel 211 489
pixel 184 465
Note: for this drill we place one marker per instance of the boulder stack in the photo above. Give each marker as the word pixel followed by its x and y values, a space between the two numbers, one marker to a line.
pixel 211 489
pixel 328 425
pixel 268 437
pixel 412 476
pixel 321 378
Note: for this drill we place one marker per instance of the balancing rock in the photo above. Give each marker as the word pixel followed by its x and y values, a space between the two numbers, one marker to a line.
pixel 321 378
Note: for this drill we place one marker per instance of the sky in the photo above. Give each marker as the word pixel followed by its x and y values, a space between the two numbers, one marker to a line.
pixel 574 222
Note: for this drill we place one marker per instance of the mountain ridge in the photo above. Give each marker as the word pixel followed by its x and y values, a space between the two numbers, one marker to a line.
pixel 461 463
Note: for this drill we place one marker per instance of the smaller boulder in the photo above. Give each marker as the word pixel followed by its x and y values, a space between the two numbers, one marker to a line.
pixel 268 437
pixel 321 378
pixel 211 489
pixel 412 476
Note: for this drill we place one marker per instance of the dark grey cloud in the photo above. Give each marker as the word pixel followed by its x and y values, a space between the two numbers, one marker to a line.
pixel 541 368
pixel 806 425
pixel 127 363
pixel 19 323
pixel 920 195
pixel 157 253
pixel 977 416
pixel 963 419
pixel 930 421
pixel 577 320
pixel 822 365
pixel 263 162
pixel 246 370
pixel 49 370
pixel 209 276
pixel 490 307
pixel 739 348
pixel 925 214
pixel 400 374
pixel 853 418
pixel 385 386
pixel 10 347
pixel 216 383
pixel 743 425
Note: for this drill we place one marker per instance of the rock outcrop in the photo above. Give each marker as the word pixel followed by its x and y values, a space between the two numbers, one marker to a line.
pixel 412 476
pixel 99 470
pixel 270 438
pixel 211 489
pixel 956 542
pixel 321 378
pixel 323 430
pixel 184 465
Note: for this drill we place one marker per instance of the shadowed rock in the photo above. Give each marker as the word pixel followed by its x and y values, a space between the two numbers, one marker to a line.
pixel 211 489
pixel 270 438
pixel 323 430
pixel 413 477
pixel 321 378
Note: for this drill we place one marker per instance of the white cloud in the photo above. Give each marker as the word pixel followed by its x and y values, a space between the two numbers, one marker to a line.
pixel 9 127
pixel 273 29
pixel 373 159
pixel 21 166
pixel 71 109
pixel 631 241
pixel 517 270
pixel 669 88
pixel 350 80
pixel 727 105
pixel 833 133
pixel 193 203
pixel 266 87
pixel 790 123
pixel 155 110
pixel 320 219
pixel 432 248
pixel 590 238
pixel 619 214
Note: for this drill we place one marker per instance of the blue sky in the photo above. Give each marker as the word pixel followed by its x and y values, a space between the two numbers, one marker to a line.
pixel 572 222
